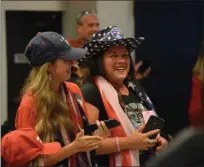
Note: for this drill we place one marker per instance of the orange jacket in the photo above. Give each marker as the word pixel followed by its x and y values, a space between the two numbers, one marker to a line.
pixel 77 42
pixel 196 112
pixel 26 114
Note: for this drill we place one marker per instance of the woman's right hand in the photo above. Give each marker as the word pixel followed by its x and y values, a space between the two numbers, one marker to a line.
pixel 86 143
pixel 102 130
pixel 139 140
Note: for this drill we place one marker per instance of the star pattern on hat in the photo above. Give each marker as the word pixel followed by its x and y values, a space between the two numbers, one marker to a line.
pixel 107 37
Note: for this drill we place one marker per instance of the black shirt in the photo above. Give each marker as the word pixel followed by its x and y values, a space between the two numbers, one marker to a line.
pixel 92 95
pixel 133 109
pixel 133 105
pixel 58 138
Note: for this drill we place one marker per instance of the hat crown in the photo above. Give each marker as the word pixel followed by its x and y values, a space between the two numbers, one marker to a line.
pixel 19 145
pixel 106 38
pixel 110 33
pixel 45 47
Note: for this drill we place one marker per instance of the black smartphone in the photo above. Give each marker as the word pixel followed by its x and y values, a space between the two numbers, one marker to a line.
pixel 145 64
pixel 153 123
pixel 112 123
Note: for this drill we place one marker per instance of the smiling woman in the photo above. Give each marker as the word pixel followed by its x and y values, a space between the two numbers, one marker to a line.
pixel 116 64
pixel 113 94
pixel 52 106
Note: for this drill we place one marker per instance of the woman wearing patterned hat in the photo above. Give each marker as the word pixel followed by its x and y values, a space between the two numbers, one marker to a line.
pixel 113 93
pixel 52 107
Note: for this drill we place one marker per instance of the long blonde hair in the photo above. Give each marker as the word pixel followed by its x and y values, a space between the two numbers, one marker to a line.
pixel 51 110
pixel 39 161
pixel 198 70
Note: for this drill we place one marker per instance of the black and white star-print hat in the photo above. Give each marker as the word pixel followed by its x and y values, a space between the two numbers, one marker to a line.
pixel 107 37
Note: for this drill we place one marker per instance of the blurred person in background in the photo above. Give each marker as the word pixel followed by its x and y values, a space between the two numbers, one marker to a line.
pixel 186 150
pixel 55 108
pixel 196 107
pixel 87 25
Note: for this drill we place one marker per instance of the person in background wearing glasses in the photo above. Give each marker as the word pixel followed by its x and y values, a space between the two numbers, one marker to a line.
pixel 87 25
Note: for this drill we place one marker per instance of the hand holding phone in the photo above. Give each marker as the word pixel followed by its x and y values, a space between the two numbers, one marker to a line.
pixel 102 130
pixel 153 123
pixel 112 123
pixel 141 141
pixel 84 143
pixel 145 65
pixel 142 69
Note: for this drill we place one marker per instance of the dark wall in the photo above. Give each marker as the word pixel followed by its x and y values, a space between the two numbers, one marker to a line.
pixel 173 34
pixel 21 26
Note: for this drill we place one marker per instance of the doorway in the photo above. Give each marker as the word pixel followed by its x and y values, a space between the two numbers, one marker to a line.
pixel 21 26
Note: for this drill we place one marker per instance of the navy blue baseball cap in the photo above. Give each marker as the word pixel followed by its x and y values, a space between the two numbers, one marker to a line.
pixel 49 46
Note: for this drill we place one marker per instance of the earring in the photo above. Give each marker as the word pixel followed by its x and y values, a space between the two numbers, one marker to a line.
pixel 50 77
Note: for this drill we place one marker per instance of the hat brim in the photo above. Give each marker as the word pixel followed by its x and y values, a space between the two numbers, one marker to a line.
pixel 95 46
pixel 51 148
pixel 74 54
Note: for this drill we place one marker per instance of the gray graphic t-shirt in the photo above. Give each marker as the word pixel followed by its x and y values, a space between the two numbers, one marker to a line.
pixel 133 109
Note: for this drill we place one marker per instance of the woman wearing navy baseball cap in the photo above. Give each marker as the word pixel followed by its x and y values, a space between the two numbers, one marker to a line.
pixel 52 107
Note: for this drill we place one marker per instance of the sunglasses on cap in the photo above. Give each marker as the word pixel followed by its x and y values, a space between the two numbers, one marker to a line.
pixel 83 13
pixel 88 12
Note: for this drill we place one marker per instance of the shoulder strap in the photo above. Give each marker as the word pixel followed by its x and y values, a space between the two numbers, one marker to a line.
pixel 80 102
